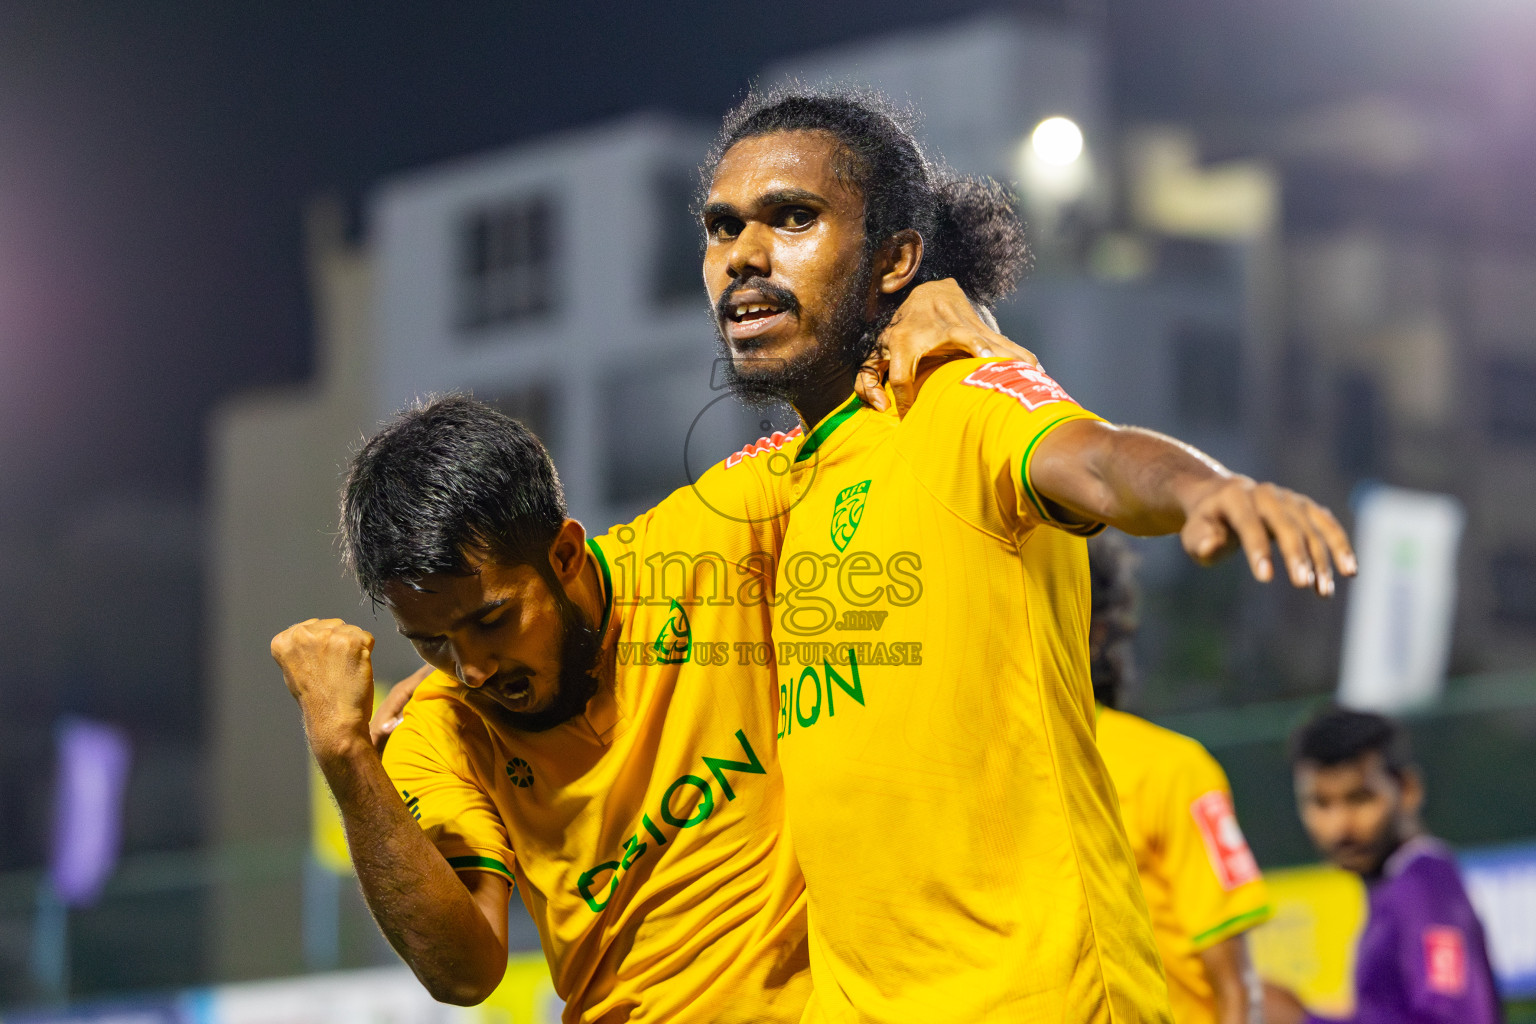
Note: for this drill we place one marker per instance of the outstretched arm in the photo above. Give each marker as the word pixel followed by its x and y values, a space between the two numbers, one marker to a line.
pixel 450 928
pixel 1146 484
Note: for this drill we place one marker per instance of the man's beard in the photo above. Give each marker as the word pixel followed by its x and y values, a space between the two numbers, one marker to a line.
pixel 576 683
pixel 844 343
pixel 1375 852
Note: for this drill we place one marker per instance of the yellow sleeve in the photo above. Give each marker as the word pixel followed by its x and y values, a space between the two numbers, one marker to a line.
pixel 998 412
pixel 1217 889
pixel 745 500
pixel 429 759
pixel 735 513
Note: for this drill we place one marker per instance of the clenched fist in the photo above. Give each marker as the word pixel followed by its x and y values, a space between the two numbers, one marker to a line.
pixel 328 666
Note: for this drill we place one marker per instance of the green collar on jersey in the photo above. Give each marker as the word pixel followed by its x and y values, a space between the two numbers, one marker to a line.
pixel 602 565
pixel 826 427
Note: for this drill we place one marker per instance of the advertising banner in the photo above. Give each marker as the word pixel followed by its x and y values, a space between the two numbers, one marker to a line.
pixel 1309 945
pixel 1397 627
pixel 94 758
pixel 147 1011
pixel 1502 884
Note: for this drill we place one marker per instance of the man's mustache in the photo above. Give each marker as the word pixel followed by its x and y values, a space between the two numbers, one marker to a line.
pixel 1350 848
pixel 510 682
pixel 775 294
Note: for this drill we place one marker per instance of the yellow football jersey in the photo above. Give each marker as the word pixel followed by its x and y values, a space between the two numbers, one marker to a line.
pixel 644 836
pixel 1201 882
pixel 960 837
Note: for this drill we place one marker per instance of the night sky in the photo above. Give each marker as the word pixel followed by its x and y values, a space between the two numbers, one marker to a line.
pixel 155 158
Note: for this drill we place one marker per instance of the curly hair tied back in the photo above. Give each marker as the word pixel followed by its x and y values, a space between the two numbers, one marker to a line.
pixel 1112 631
pixel 978 238
pixel 970 226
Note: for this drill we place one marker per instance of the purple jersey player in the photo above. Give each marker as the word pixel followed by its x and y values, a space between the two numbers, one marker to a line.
pixel 1422 958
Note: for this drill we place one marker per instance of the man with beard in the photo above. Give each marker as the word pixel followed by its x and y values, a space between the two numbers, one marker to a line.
pixel 960 839
pixel 1422 958
pixel 583 737
pixel 597 730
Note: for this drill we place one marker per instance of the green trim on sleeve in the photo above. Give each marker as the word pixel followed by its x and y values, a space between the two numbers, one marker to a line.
pixel 1078 529
pixel 477 863
pixel 826 427
pixel 1240 923
pixel 602 565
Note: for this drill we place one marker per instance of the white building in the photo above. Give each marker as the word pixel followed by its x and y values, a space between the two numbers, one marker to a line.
pixel 561 280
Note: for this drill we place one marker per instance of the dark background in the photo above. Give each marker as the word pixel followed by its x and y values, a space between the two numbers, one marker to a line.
pixel 155 157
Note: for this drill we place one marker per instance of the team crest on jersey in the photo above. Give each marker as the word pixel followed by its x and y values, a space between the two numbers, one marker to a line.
pixel 674 643
pixel 772 443
pixel 520 772
pixel 1445 960
pixel 1029 384
pixel 1224 843
pixel 848 512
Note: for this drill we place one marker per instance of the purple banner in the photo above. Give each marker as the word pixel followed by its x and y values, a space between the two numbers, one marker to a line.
pixel 88 820
pixel 137 1012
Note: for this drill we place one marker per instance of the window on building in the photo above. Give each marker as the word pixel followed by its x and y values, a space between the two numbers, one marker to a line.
pixel 664 426
pixel 1360 440
pixel 1514 587
pixel 1196 262
pixel 1298 397
pixel 533 406
pixel 1208 375
pixel 649 410
pixel 1512 400
pixel 506 268
pixel 678 275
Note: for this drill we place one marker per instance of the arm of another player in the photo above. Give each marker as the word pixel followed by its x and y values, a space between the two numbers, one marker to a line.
pixel 936 321
pixel 450 929
pixel 1281 1006
pixel 1146 484
pixel 391 710
pixel 1441 962
pixel 1239 994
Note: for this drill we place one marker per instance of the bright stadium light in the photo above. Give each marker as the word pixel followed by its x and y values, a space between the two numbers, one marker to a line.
pixel 1057 140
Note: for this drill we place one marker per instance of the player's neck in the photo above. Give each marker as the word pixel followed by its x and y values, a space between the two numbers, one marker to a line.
pixel 587 593
pixel 816 400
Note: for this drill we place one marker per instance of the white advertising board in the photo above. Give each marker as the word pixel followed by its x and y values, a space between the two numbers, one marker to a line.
pixel 1397 628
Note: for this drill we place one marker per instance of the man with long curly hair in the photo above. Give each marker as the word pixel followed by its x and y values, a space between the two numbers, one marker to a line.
pixel 960 838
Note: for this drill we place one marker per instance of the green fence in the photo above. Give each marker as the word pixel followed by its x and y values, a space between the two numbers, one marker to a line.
pixel 1476 746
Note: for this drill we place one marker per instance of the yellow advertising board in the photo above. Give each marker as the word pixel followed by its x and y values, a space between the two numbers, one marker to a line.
pixel 525 995
pixel 328 842
pixel 1309 945
pixel 327 838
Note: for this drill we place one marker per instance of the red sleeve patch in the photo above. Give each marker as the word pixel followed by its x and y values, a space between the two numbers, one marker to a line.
pixel 1445 960
pixel 772 443
pixel 1224 843
pixel 1029 384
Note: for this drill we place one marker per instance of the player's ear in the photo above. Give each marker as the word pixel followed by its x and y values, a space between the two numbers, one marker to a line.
pixel 1412 784
pixel 899 260
pixel 568 552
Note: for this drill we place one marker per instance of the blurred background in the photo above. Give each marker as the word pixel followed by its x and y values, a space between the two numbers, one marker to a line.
pixel 233 238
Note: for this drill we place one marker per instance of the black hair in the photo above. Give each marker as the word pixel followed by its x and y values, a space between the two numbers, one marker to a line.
pixel 1336 735
pixel 970 227
pixel 440 481
pixel 1112 572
